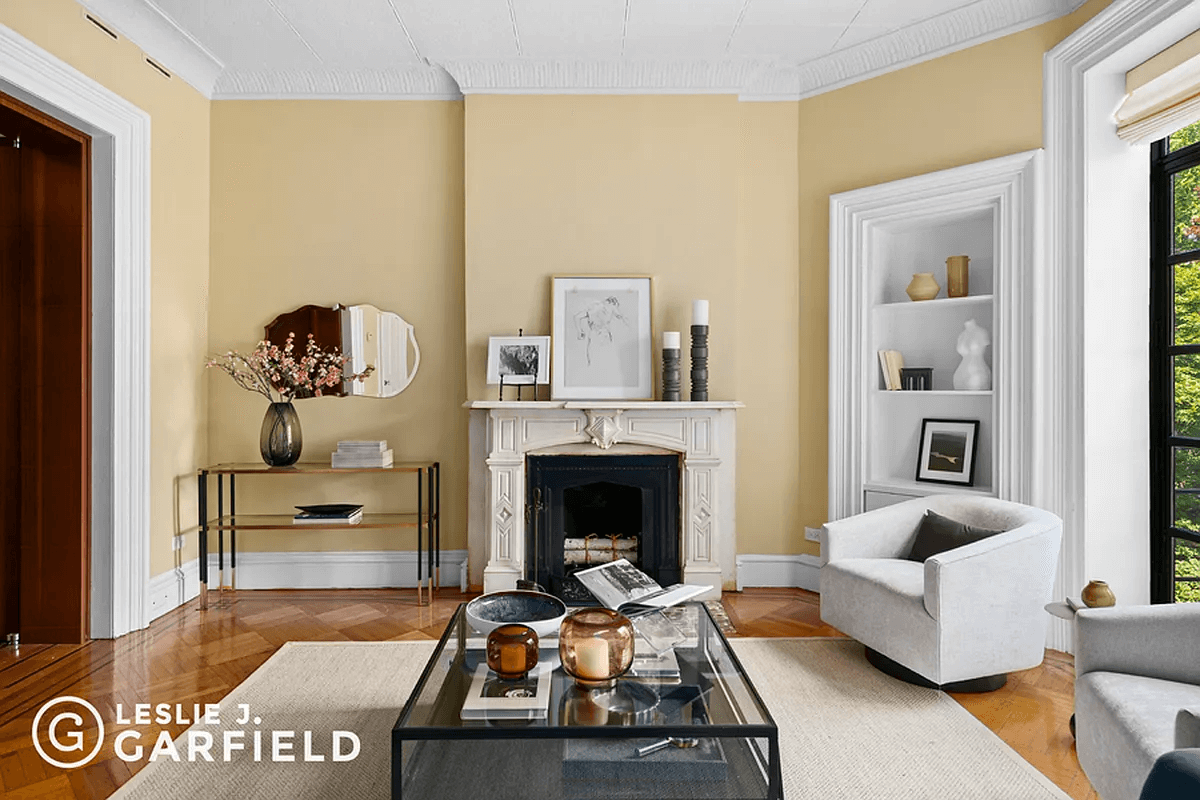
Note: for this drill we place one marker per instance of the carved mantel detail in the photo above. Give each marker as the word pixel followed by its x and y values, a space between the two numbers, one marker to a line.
pixel 503 435
pixel 604 427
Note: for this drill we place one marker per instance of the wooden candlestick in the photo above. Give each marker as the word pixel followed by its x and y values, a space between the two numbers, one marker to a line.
pixel 699 363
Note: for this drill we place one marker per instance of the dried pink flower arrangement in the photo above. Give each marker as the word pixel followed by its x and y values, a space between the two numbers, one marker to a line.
pixel 272 370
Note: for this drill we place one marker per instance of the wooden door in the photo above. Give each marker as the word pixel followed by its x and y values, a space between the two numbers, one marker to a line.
pixel 45 496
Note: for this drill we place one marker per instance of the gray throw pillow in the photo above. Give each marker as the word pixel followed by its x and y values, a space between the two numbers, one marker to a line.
pixel 937 534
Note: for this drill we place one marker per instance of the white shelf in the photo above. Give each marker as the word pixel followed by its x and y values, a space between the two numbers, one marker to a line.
pixel 935 392
pixel 936 303
pixel 922 488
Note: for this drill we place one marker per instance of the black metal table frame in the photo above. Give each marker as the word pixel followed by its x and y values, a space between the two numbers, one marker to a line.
pixel 768 729
pixel 429 484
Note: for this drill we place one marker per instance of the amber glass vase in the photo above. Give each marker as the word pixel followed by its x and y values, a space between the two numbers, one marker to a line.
pixel 596 646
pixel 512 650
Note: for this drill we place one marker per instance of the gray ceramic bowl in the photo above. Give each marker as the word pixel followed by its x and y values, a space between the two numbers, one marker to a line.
pixel 542 612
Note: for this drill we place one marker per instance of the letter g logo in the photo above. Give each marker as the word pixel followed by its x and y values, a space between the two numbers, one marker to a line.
pixel 69 741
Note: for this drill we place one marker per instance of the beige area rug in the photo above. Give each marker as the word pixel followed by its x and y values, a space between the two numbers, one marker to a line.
pixel 845 730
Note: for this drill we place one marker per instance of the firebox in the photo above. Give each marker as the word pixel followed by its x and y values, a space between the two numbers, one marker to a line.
pixel 588 510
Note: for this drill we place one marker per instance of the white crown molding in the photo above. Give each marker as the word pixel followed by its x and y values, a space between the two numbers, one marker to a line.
pixel 146 25
pixel 603 77
pixel 416 83
pixel 1060 454
pixel 955 30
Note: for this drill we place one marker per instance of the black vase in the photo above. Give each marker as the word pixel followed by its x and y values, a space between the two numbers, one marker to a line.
pixel 280 440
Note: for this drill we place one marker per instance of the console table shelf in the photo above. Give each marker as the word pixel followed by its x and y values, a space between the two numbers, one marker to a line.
pixel 426 519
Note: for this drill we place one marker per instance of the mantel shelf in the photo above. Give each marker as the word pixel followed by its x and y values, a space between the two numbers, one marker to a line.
pixel 626 405
pixel 936 303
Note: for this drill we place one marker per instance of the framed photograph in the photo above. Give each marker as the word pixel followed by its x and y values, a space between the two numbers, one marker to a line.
pixel 947 451
pixel 519 360
pixel 602 338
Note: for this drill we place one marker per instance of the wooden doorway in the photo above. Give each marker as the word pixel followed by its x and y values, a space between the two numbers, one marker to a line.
pixel 45 358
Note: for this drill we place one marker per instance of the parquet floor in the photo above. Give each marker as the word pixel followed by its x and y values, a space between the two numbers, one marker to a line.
pixel 189 656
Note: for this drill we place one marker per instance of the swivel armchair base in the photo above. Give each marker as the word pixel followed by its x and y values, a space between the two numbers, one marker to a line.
pixel 988 683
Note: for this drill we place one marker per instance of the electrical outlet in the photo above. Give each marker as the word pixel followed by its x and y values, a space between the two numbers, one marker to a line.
pixel 812 534
pixel 177 543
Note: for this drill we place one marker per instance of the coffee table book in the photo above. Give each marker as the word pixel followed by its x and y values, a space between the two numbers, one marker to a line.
pixel 489 697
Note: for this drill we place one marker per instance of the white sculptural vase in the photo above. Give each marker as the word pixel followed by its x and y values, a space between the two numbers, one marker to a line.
pixel 972 374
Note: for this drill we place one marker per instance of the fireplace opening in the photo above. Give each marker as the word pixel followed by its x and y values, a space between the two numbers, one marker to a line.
pixel 588 510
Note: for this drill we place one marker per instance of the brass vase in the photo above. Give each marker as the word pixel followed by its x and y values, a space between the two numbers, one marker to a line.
pixel 1097 595
pixel 957 277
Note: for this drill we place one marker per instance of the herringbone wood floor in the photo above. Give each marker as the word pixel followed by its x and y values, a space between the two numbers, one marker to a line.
pixel 189 656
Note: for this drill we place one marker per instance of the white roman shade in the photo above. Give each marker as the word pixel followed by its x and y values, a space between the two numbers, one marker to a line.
pixel 1162 93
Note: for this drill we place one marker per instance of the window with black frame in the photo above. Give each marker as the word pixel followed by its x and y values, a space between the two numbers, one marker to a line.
pixel 1175 367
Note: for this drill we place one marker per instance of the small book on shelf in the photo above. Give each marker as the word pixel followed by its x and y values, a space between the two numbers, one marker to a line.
pixel 891 362
pixel 329 514
pixel 623 587
pixel 489 697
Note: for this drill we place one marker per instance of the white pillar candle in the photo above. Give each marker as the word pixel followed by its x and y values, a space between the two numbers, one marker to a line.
pixel 699 312
pixel 670 340
pixel 591 659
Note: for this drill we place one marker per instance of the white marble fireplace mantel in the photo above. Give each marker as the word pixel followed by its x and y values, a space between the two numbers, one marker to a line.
pixel 503 434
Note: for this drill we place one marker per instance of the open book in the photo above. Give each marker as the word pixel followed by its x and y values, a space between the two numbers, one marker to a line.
pixel 623 587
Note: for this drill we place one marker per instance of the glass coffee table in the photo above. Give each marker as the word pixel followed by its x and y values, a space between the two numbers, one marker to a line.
pixel 721 741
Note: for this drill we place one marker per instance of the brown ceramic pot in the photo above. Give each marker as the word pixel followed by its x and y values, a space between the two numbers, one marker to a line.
pixel 1097 595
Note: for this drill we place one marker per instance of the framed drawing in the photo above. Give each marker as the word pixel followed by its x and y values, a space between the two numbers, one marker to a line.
pixel 602 338
pixel 519 360
pixel 947 451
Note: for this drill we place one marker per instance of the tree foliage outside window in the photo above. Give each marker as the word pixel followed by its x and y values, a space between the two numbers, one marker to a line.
pixel 1186 237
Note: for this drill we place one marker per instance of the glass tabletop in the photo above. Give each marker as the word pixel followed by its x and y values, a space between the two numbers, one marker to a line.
pixel 710 691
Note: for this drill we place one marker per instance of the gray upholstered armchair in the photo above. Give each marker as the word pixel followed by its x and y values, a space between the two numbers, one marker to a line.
pixel 970 613
pixel 1137 691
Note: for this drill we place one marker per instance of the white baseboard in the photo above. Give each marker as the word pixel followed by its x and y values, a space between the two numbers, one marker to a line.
pixel 800 571
pixel 354 569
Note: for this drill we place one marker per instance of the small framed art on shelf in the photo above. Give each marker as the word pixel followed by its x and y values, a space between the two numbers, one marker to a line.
pixel 947 451
pixel 516 360
pixel 603 338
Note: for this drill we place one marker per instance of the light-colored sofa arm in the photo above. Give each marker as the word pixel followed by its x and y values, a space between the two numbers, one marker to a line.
pixel 1016 567
pixel 1161 641
pixel 886 532
pixel 1187 728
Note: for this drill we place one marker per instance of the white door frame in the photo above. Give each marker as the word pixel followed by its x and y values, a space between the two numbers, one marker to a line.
pixel 120 531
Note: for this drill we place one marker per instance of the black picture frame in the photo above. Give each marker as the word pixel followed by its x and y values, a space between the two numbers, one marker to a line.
pixel 946 451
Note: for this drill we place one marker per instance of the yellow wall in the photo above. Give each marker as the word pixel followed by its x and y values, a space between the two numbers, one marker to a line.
pixel 968 106
pixel 455 215
pixel 329 202
pixel 179 174
pixel 698 191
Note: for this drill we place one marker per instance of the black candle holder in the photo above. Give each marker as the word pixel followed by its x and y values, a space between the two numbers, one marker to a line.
pixel 699 363
pixel 670 378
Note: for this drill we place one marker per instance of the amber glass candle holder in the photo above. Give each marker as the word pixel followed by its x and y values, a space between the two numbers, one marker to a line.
pixel 596 647
pixel 512 650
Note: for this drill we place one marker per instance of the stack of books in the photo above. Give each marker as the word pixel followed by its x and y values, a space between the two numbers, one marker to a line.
pixel 359 454
pixel 329 514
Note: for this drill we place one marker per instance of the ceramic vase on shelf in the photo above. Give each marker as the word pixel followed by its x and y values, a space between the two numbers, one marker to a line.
pixel 1097 595
pixel 957 278
pixel 280 439
pixel 922 287
pixel 973 374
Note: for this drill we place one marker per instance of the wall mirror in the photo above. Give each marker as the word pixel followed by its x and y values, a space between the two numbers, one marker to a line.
pixel 368 335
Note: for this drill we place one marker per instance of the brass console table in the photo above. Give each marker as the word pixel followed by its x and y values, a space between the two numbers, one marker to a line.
pixel 426 519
